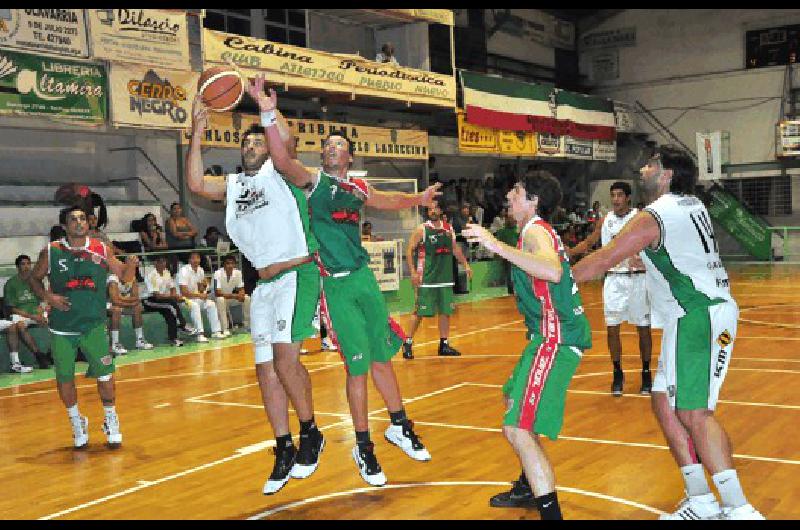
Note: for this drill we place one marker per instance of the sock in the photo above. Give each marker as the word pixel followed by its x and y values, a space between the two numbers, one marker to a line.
pixel 645 366
pixel 284 442
pixel 443 342
pixel 114 336
pixel 617 366
pixel 729 488
pixel 409 340
pixel 110 410
pixel 362 438
pixel 548 507
pixel 399 417
pixel 73 412
pixel 139 334
pixel 695 480
pixel 14 356
pixel 307 426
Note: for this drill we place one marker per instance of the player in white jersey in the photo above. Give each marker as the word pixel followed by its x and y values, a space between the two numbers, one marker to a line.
pixel 268 221
pixel 624 293
pixel 690 294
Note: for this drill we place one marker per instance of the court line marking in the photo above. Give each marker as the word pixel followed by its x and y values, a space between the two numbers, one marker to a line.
pixel 373 489
pixel 238 453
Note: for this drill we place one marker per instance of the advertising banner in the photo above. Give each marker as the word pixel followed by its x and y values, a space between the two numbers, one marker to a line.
pixel 384 260
pixel 578 148
pixel 57 31
pixel 155 37
pixel 746 228
pixel 474 138
pixel 713 150
pixel 517 143
pixel 604 150
pixel 151 97
pixel 34 85
pixel 549 145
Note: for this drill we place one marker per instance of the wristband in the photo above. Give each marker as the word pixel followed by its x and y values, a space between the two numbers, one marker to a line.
pixel 268 118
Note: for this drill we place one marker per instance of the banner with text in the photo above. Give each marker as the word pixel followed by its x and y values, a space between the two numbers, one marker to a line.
pixel 517 143
pixel 307 68
pixel 751 231
pixel 384 261
pixel 604 150
pixel 155 37
pixel 35 85
pixel 151 97
pixel 225 130
pixel 439 16
pixel 474 138
pixel 58 31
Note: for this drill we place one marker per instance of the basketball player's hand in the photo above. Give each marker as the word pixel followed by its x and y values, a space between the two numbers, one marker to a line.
pixel 60 302
pixel 478 234
pixel 416 279
pixel 256 90
pixel 430 195
pixel 199 115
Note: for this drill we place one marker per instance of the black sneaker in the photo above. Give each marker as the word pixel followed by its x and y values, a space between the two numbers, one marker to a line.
pixel 368 465
pixel 407 353
pixel 446 351
pixel 647 383
pixel 307 460
pixel 284 461
pixel 519 496
pixel 42 360
pixel 616 385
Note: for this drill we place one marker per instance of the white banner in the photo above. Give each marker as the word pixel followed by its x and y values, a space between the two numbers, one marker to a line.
pixel 624 117
pixel 711 154
pixel 384 260
pixel 605 150
pixel 578 148
pixel 58 31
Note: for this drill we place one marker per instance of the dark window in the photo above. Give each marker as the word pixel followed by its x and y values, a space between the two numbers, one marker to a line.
pixel 276 15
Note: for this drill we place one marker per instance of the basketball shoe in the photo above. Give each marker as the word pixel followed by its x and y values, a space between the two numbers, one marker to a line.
pixel 284 461
pixel 647 383
pixel 695 508
pixel 368 465
pixel 80 431
pixel 742 513
pixel 404 437
pixel 118 349
pixel 111 430
pixel 616 384
pixel 307 460
pixel 446 351
pixel 143 345
pixel 20 368
pixel 519 496
pixel 408 352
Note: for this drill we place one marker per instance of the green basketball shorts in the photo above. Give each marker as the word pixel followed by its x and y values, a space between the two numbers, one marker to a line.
pixel 93 343
pixel 433 301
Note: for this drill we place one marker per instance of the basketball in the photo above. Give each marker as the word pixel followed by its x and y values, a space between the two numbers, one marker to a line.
pixel 221 88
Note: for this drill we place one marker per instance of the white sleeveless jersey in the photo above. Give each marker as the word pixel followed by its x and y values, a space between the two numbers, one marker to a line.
pixel 262 217
pixel 685 272
pixel 612 225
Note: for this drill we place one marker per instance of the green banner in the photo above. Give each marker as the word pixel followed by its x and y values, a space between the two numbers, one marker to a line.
pixel 751 231
pixel 35 85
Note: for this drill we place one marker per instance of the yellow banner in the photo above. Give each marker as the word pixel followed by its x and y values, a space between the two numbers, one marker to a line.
pixel 225 130
pixel 306 68
pixel 440 16
pixel 517 142
pixel 142 96
pixel 474 138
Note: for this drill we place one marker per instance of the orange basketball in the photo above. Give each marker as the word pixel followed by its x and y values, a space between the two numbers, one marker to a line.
pixel 221 88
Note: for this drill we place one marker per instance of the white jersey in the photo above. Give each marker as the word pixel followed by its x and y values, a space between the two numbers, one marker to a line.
pixel 228 285
pixel 685 272
pixel 612 225
pixel 155 283
pixel 192 278
pixel 263 219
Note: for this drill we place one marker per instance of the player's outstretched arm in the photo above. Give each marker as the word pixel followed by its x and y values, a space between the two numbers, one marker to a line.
pixel 640 232
pixel 397 200
pixel 212 189
pixel 539 257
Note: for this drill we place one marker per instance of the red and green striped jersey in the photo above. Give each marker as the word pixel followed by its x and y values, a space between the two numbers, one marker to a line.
pixel 435 254
pixel 335 206
pixel 80 274
pixel 553 311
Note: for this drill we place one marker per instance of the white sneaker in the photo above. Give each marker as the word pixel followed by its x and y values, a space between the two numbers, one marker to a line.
pixel 188 330
pixel 368 466
pixel 177 343
pixel 118 349
pixel 143 345
pixel 404 437
pixel 742 513
pixel 20 368
pixel 202 338
pixel 111 428
pixel 226 333
pixel 217 335
pixel 327 345
pixel 80 431
pixel 695 508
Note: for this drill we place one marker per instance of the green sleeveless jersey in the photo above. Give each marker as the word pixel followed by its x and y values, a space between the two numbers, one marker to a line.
pixel 553 311
pixel 335 206
pixel 435 255
pixel 80 274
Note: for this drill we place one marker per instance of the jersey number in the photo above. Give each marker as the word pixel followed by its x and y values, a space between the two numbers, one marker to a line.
pixel 703 225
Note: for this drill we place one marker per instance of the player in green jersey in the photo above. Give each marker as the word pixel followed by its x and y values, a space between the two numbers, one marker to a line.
pixel 351 302
pixel 432 275
pixel 77 267
pixel 549 300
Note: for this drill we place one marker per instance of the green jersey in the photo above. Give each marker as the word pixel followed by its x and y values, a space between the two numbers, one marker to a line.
pixel 80 274
pixel 552 311
pixel 18 294
pixel 435 254
pixel 335 206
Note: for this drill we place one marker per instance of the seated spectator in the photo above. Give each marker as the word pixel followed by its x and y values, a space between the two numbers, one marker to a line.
pixel 211 261
pixel 229 292
pixel 180 233
pixel 366 233
pixel 162 297
pixel 12 333
pixel 386 55
pixel 123 298
pixel 152 234
pixel 570 236
pixel 194 290
pixel 25 308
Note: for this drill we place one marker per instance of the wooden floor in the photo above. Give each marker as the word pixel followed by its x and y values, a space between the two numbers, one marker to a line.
pixel 197 443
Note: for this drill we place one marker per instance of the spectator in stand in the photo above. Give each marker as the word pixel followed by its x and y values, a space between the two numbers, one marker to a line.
pixel 194 290
pixel 366 233
pixel 162 297
pixel 12 331
pixel 180 232
pixel 229 292
pixel 570 237
pixel 386 55
pixel 25 308
pixel 508 234
pixel 152 234
pixel 595 214
pixel 499 221
pixel 123 298
pixel 210 240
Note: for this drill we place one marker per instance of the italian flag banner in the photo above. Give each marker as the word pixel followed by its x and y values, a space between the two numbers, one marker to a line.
pixel 587 117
